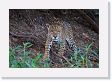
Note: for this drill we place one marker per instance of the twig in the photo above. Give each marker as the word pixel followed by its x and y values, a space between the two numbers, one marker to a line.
pixel 62 57
pixel 23 36
pixel 92 22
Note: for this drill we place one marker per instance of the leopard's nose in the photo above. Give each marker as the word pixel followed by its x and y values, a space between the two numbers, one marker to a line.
pixel 55 37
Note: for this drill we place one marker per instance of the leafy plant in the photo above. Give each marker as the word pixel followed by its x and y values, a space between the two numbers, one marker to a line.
pixel 22 60
pixel 19 58
pixel 81 60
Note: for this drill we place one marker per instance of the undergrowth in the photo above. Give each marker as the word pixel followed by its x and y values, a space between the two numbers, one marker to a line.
pixel 19 58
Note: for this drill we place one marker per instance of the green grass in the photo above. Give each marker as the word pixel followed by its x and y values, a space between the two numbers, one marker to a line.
pixel 19 58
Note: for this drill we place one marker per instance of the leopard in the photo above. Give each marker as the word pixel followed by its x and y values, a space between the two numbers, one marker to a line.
pixel 59 31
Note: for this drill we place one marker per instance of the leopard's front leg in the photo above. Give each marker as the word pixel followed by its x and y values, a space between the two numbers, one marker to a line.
pixel 62 48
pixel 62 51
pixel 47 47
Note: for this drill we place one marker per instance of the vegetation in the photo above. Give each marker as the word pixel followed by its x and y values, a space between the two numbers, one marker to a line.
pixel 19 58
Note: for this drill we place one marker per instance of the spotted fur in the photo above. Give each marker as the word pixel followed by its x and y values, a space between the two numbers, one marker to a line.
pixel 61 32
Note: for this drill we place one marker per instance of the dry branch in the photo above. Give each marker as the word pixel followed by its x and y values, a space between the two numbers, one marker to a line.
pixel 95 27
